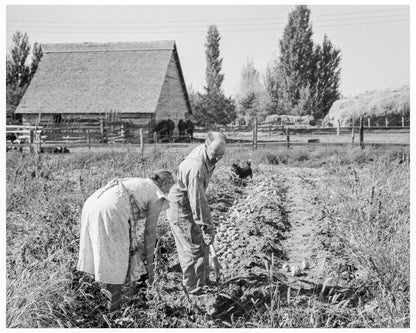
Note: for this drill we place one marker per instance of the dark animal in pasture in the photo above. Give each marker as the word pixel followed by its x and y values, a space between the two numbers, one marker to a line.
pixel 60 150
pixel 11 137
pixel 186 129
pixel 243 171
pixel 190 129
pixel 164 129
pixel 182 127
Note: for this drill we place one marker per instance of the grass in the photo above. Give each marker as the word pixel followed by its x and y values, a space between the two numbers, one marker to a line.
pixel 366 198
pixel 370 209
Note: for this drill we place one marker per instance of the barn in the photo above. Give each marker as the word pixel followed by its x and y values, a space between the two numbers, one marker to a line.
pixel 107 86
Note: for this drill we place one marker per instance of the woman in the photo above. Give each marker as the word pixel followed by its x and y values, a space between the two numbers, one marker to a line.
pixel 108 242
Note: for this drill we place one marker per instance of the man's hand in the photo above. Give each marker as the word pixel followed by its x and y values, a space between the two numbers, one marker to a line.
pixel 208 234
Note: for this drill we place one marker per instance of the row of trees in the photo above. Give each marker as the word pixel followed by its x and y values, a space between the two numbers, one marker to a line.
pixel 303 80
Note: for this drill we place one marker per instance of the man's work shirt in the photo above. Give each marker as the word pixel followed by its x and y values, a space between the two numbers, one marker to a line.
pixel 194 173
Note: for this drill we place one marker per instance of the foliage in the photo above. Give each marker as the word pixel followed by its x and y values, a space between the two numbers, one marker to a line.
pixel 296 57
pixel 370 211
pixel 249 105
pixel 271 83
pixel 252 98
pixel 327 78
pixel 213 75
pixel 37 55
pixel 21 65
pixel 306 79
pixel 212 106
pixel 17 69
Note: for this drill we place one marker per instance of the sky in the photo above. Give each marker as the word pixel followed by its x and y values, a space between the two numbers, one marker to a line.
pixel 374 39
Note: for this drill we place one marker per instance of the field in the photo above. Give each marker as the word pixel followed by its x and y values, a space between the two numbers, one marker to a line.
pixel 342 211
pixel 392 136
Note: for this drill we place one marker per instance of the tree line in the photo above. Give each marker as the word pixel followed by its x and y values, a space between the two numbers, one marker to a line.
pixel 303 80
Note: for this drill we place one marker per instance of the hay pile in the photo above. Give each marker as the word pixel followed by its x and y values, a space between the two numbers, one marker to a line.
pixel 370 104
pixel 288 119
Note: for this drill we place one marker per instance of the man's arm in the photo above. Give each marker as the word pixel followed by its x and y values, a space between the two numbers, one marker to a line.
pixel 198 200
pixel 200 208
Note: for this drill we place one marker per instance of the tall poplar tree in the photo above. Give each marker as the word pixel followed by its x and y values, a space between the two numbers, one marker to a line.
pixel 327 78
pixel 308 75
pixel 296 64
pixel 212 106
pixel 213 75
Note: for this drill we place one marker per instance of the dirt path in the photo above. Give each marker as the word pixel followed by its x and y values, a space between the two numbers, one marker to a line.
pixel 303 243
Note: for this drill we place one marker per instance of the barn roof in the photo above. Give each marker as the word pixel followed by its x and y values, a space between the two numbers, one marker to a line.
pixel 100 77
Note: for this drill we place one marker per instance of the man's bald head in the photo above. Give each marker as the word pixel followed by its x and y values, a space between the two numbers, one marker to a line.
pixel 216 143
pixel 215 136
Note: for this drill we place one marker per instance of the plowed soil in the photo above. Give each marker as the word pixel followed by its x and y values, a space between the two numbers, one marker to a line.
pixel 272 243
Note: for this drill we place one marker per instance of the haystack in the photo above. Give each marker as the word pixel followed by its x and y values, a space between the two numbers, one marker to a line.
pixel 378 105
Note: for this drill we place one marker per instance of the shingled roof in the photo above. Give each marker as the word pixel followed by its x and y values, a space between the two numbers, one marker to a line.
pixel 100 77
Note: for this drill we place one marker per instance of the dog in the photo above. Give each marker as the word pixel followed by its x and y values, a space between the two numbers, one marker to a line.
pixel 243 171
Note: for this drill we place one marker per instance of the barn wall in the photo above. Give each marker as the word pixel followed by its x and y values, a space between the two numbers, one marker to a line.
pixel 76 124
pixel 32 119
pixel 172 102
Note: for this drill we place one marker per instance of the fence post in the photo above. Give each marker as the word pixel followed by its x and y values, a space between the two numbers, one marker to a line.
pixel 402 121
pixel 352 134
pixel 387 123
pixel 369 122
pixel 88 138
pixel 362 132
pixel 287 137
pixel 31 140
pixel 338 127
pixel 38 141
pixel 123 134
pixel 154 139
pixel 141 142
pixel 103 131
pixel 255 133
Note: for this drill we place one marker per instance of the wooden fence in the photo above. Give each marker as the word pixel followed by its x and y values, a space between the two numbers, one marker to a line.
pixel 36 137
pixel 39 139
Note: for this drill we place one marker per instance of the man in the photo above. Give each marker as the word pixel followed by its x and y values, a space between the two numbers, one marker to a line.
pixel 189 216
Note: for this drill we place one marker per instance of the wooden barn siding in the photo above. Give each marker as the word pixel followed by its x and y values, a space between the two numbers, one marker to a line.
pixel 132 123
pixel 172 102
